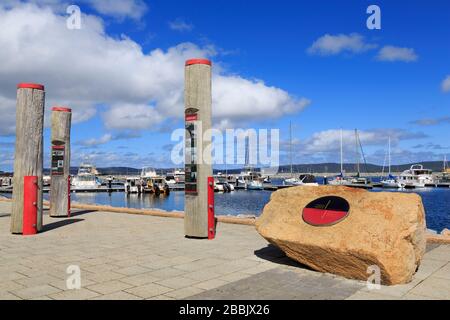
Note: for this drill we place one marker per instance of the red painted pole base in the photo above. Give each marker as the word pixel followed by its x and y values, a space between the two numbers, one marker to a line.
pixel 211 215
pixel 30 194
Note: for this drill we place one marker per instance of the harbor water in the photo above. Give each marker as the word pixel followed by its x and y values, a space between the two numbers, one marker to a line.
pixel 251 203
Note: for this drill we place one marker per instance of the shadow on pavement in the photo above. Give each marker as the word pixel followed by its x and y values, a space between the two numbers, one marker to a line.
pixel 59 224
pixel 273 254
pixel 81 212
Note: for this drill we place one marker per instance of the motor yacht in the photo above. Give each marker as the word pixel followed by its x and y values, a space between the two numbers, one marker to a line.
pixel 86 178
pixel 416 177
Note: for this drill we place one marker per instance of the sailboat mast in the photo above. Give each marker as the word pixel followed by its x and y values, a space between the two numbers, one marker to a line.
pixel 290 145
pixel 389 151
pixel 247 153
pixel 357 152
pixel 342 153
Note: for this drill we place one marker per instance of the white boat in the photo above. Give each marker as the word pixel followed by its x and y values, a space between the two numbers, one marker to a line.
pixel 148 172
pixel 255 185
pixel 133 185
pixel 303 180
pixel 156 185
pixel 339 180
pixel 179 175
pixel 416 177
pixel 176 179
pixel 221 184
pixel 390 182
pixel 86 178
pixel 250 180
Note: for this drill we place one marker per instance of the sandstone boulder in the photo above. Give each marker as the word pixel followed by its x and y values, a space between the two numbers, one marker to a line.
pixel 382 228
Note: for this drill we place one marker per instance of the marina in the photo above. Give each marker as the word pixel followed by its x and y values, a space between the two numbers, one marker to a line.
pixel 242 202
pixel 187 159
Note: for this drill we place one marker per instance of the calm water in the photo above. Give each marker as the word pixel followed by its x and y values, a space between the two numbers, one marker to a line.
pixel 436 202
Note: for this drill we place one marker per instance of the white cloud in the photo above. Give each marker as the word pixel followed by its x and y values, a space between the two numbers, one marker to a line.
pixel 8 118
pixel 87 68
pixel 329 140
pixel 324 146
pixel 432 121
pixel 336 44
pixel 108 137
pixel 126 116
pixel 236 100
pixel 95 142
pixel 180 25
pixel 446 84
pixel 391 54
pixel 120 9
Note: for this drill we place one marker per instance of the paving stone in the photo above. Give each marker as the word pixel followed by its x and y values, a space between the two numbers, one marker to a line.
pixel 434 287
pixel 121 295
pixel 177 282
pixel 140 279
pixel 362 295
pixel 149 290
pixel 443 272
pixel 411 296
pixel 184 293
pixel 8 296
pixel 210 284
pixel 235 276
pixel 10 276
pixel 104 276
pixel 37 291
pixel 440 253
pixel 133 270
pixel 167 273
pixel 428 267
pixel 80 294
pixel 10 286
pixel 109 287
pixel 36 281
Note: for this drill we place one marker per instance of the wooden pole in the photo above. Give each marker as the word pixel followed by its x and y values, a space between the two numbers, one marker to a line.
pixel 198 165
pixel 60 162
pixel 29 150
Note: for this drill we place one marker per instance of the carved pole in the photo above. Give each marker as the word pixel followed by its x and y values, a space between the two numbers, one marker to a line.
pixel 198 164
pixel 29 150
pixel 60 162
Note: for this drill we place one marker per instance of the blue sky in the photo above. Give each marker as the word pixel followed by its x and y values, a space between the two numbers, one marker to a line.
pixel 314 64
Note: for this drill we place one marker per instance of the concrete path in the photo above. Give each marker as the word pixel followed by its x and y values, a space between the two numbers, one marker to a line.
pixel 123 256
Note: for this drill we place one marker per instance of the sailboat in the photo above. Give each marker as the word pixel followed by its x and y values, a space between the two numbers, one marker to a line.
pixel 340 180
pixel 249 179
pixel 390 181
pixel 293 181
pixel 444 180
pixel 358 181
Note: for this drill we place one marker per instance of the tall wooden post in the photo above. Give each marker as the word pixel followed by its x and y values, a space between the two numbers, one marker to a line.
pixel 198 167
pixel 29 150
pixel 60 162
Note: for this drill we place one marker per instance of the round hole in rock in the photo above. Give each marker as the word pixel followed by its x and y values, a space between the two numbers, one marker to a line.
pixel 326 211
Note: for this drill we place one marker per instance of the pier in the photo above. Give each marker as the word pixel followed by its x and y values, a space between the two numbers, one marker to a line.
pixel 148 258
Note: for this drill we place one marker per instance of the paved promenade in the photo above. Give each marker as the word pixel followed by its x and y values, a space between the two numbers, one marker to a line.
pixel 124 256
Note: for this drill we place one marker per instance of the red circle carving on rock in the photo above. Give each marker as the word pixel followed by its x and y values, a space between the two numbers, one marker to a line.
pixel 326 211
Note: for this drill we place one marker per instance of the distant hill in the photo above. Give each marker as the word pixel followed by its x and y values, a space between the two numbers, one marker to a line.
pixel 436 166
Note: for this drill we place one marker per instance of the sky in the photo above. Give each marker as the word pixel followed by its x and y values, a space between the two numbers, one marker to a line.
pixel 314 64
